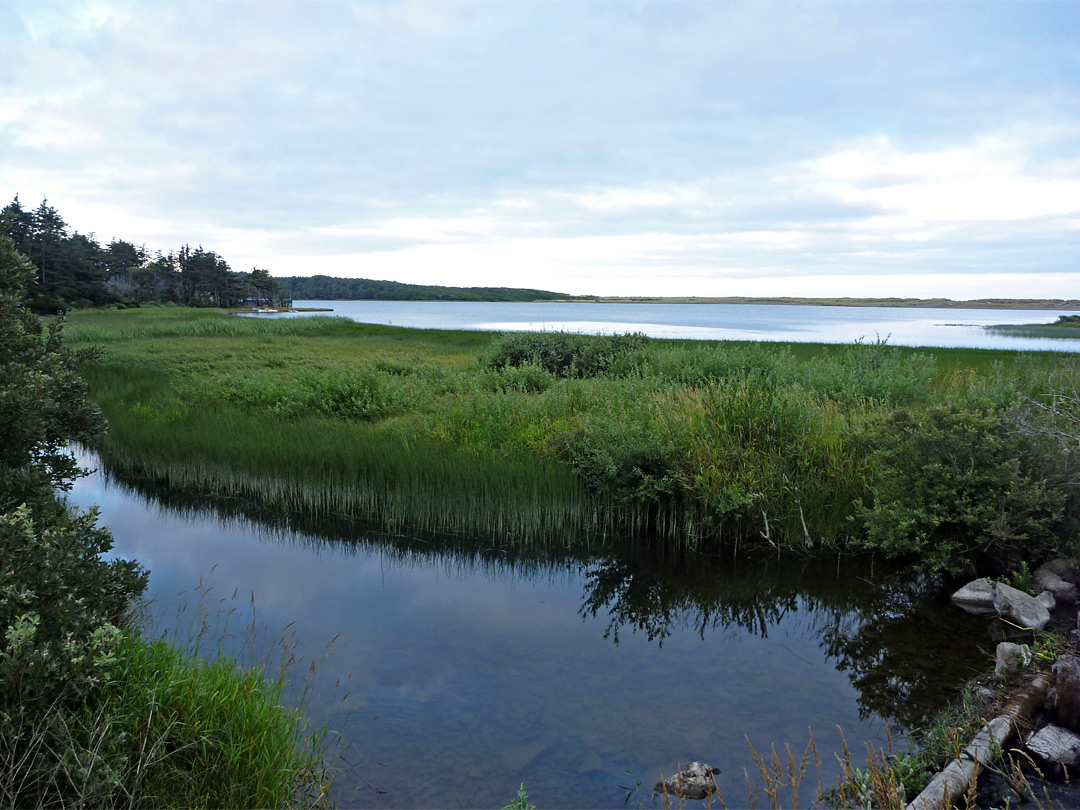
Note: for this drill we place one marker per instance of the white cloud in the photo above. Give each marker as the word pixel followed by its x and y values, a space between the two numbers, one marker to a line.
pixel 590 147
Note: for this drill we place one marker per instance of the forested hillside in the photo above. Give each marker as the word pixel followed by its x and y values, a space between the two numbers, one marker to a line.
pixel 326 288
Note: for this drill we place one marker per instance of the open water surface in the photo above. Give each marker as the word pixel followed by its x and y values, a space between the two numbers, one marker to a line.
pixel 580 672
pixel 763 322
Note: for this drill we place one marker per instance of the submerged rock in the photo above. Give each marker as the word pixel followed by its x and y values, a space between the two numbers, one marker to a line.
pixel 694 782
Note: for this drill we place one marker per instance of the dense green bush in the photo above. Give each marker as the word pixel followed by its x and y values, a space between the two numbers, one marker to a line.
pixel 43 402
pixel 565 354
pixel 957 487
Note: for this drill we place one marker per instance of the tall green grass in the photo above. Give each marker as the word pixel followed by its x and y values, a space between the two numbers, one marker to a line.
pixel 210 733
pixel 518 437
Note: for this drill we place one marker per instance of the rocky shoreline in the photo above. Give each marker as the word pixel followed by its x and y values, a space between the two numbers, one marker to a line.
pixel 1034 756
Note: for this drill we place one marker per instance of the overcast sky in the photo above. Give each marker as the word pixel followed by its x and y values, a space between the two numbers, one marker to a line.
pixel 663 148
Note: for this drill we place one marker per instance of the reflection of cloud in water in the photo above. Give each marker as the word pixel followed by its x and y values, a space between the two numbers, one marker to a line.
pixel 491 669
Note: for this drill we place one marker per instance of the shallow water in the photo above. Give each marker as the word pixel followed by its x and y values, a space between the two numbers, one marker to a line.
pixel 579 673
pixel 762 322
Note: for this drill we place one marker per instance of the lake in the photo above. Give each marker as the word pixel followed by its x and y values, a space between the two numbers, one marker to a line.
pixel 583 673
pixel 761 322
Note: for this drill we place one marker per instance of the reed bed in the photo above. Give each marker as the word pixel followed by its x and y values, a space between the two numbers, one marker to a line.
pixel 518 437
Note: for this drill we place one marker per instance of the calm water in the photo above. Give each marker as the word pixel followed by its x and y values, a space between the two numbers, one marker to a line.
pixel 906 327
pixel 469 672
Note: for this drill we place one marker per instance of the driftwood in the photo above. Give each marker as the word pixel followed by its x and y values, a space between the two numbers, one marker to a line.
pixel 953 781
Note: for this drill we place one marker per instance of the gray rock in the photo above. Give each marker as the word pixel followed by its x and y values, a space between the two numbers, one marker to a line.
pixel 1056 745
pixel 1064 591
pixel 1011 658
pixel 986 696
pixel 1018 607
pixel 976 597
pixel 695 782
pixel 1063 699
pixel 1068 570
pixel 1047 600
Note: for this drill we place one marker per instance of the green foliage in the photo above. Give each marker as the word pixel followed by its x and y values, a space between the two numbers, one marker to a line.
pixel 90 716
pixel 953 485
pixel 840 447
pixel 42 397
pixel 521 802
pixel 564 354
pixel 211 733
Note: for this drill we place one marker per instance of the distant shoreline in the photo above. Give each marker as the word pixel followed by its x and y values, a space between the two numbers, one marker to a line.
pixel 900 303
pixel 897 303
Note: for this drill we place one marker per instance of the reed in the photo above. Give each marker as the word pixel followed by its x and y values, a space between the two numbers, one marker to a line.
pixel 210 733
pixel 777 445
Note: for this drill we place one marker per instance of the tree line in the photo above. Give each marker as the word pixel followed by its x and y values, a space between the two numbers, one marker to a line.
pixel 328 288
pixel 72 269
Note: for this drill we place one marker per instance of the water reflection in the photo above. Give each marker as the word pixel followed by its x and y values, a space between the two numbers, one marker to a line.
pixel 490 666
pixel 895 634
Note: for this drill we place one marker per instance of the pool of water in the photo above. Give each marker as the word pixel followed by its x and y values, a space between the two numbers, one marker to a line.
pixel 456 672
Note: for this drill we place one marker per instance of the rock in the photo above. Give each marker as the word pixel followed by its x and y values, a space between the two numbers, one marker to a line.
pixel 1047 600
pixel 695 782
pixel 1063 699
pixel 1064 591
pixel 1018 607
pixel 986 696
pixel 1067 570
pixel 1055 745
pixel 976 597
pixel 1011 658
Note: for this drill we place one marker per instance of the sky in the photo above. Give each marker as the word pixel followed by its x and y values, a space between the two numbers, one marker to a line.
pixel 608 148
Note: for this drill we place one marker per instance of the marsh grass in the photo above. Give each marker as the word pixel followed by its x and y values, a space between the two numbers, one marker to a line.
pixel 516 437
pixel 177 726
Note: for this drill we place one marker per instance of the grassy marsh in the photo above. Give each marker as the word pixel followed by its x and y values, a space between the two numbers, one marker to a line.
pixel 773 444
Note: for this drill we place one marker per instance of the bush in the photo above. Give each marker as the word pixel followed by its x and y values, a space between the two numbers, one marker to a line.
pixel 564 354
pixel 959 490
pixel 60 605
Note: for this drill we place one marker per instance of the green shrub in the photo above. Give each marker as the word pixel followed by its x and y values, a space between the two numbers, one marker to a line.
pixel 564 354
pixel 957 488
pixel 60 604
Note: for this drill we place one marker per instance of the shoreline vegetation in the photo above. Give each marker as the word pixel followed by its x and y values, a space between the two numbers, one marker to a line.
pixel 910 303
pixel 92 712
pixel 953 459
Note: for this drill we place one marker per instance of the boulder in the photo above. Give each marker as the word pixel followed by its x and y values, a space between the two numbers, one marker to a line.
pixel 976 597
pixel 1018 607
pixel 1047 600
pixel 1056 745
pixel 1063 699
pixel 1011 658
pixel 1064 591
pixel 696 782
pixel 1067 570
